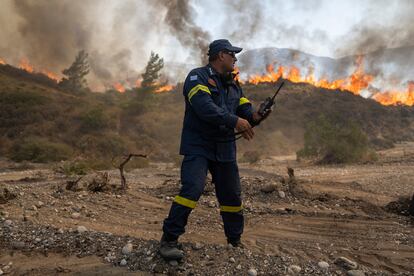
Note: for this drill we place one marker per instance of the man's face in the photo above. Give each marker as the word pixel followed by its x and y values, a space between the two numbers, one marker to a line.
pixel 228 61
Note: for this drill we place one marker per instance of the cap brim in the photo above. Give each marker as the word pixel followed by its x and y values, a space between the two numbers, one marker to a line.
pixel 234 49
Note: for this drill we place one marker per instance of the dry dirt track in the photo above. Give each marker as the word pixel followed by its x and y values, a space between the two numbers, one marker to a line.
pixel 333 211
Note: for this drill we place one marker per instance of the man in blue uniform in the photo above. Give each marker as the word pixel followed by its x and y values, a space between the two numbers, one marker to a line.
pixel 214 107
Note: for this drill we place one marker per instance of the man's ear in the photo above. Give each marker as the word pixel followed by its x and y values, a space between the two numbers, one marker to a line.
pixel 221 55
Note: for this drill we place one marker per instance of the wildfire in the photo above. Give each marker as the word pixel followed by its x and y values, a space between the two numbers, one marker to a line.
pixel 397 97
pixel 25 65
pixel 355 83
pixel 2 61
pixel 50 75
pixel 119 87
pixel 164 88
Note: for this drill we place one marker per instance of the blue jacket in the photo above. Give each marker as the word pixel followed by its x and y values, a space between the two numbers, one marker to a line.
pixel 211 113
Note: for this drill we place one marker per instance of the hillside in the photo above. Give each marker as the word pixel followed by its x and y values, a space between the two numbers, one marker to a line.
pixel 36 116
pixel 395 62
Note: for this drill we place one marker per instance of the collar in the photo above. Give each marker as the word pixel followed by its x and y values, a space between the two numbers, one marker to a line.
pixel 212 71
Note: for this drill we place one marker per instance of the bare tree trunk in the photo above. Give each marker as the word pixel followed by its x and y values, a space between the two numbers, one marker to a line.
pixel 121 168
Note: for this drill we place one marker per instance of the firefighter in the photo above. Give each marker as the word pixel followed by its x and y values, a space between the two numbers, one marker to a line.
pixel 215 106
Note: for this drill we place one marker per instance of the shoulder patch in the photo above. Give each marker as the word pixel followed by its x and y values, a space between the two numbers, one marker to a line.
pixel 193 78
pixel 212 82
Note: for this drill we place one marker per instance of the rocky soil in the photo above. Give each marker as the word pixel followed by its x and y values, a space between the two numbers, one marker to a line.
pixel 330 220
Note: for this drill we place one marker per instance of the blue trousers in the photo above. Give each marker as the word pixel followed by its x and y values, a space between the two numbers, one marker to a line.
pixel 225 176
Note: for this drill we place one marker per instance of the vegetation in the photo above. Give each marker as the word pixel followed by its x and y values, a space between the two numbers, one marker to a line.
pixel 44 123
pixel 152 70
pixel 330 140
pixel 39 150
pixel 76 73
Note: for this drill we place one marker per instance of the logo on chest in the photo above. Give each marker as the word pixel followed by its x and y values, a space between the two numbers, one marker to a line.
pixel 212 82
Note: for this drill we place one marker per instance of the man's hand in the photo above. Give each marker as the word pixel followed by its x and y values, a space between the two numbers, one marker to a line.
pixel 258 118
pixel 245 129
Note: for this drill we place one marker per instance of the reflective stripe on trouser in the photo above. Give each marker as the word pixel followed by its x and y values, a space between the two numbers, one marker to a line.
pixel 227 183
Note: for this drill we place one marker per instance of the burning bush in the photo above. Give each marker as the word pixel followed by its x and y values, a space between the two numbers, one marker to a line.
pixel 335 141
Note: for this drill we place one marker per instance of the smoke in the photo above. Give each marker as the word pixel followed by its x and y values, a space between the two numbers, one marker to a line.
pixel 376 32
pixel 119 35
pixel 180 20
pixel 50 34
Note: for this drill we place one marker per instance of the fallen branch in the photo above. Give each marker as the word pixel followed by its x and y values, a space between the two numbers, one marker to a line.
pixel 122 165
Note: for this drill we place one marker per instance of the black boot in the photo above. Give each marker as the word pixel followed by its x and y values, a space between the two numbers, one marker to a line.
pixel 235 242
pixel 169 249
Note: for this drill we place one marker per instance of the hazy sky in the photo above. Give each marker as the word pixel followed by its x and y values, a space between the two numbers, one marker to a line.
pixel 315 26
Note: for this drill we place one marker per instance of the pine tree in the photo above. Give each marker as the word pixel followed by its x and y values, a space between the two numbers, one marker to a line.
pixel 76 73
pixel 152 70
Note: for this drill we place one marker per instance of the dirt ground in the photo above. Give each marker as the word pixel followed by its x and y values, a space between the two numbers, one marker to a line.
pixel 321 214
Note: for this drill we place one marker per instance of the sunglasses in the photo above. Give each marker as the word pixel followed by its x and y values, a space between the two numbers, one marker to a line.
pixel 232 54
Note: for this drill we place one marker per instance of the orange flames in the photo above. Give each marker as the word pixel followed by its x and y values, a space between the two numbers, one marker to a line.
pixel 397 97
pixel 119 87
pixel 50 75
pixel 2 61
pixel 25 65
pixel 355 83
pixel 164 88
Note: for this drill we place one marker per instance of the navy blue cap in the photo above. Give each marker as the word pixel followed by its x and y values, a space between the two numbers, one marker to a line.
pixel 221 45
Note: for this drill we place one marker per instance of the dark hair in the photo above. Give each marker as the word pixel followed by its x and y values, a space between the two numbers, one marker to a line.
pixel 213 57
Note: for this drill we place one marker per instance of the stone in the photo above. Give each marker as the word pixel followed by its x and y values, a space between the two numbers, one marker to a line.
pixel 239 267
pixel 173 263
pixel 323 265
pixel 197 246
pixel 81 229
pixel 75 215
pixel 355 273
pixel 39 204
pixel 1 272
pixel 346 263
pixel 158 268
pixel 269 188
pixel 18 245
pixel 232 260
pixel 8 222
pixel 294 269
pixel 282 194
pixel 123 262
pixel 4 214
pixel 34 208
pixel 252 272
pixel 127 249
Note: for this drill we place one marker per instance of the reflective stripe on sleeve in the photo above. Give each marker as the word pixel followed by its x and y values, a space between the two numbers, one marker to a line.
pixel 195 89
pixel 243 100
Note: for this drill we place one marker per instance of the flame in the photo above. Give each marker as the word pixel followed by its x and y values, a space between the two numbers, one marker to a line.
pixel 119 87
pixel 164 88
pixel 25 65
pixel 50 75
pixel 397 97
pixel 2 62
pixel 355 83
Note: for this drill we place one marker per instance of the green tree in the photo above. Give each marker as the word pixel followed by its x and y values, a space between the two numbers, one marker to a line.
pixel 152 70
pixel 75 75
pixel 330 140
